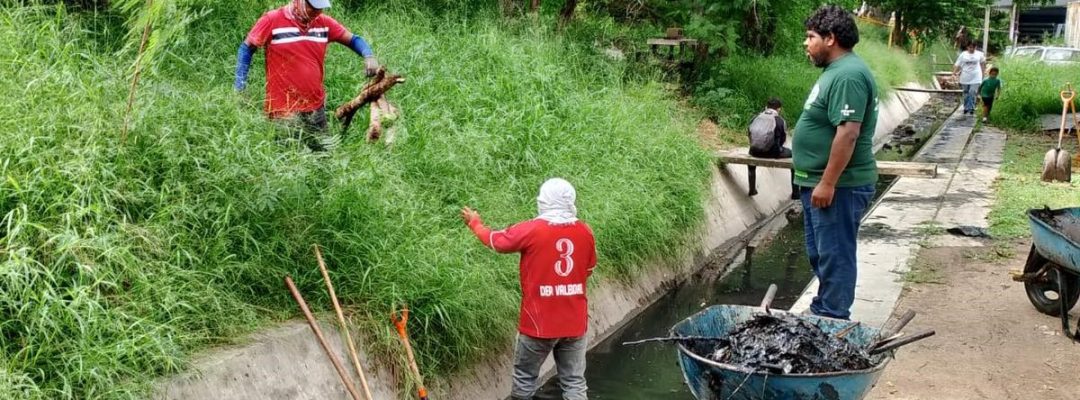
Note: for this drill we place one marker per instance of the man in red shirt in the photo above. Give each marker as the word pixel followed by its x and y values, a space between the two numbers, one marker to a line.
pixel 295 37
pixel 558 253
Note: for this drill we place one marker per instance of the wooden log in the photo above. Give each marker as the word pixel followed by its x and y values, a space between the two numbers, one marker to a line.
pixel 921 90
pixel 375 89
pixel 375 123
pixel 897 168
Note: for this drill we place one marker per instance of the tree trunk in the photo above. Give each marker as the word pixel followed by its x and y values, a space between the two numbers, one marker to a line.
pixel 898 29
pixel 535 6
pixel 567 11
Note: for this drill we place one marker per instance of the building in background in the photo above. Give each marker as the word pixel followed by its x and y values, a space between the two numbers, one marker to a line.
pixel 1031 25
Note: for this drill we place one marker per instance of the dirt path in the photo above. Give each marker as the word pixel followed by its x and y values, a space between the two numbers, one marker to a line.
pixel 991 343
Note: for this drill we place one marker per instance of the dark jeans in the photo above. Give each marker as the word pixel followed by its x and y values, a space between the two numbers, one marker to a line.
pixel 781 152
pixel 569 363
pixel 831 239
pixel 311 129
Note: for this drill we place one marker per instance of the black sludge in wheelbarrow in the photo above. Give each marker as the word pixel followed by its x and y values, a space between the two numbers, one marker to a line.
pixel 784 344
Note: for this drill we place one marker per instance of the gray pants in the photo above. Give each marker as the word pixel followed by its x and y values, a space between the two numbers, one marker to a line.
pixel 311 129
pixel 569 354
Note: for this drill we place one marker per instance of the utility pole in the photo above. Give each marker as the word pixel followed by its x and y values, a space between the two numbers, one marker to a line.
pixel 986 31
pixel 1012 26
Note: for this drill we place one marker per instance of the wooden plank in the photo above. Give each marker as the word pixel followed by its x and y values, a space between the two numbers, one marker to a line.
pixel 670 42
pixel 897 168
pixel 921 90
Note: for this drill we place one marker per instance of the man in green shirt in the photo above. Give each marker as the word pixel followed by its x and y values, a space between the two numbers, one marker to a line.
pixel 833 157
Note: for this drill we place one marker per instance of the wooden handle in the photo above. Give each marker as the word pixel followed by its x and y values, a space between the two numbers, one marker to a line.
pixel 322 341
pixel 769 294
pixel 902 341
pixel 900 324
pixel 344 327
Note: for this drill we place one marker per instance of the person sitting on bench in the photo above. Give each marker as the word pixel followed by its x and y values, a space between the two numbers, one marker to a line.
pixel 768 133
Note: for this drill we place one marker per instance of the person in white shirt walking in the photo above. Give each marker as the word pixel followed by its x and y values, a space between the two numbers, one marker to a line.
pixel 970 65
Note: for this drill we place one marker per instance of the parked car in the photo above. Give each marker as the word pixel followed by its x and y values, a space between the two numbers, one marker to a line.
pixel 1047 54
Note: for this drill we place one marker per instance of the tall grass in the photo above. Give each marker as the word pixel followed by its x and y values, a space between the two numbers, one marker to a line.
pixel 120 260
pixel 1029 90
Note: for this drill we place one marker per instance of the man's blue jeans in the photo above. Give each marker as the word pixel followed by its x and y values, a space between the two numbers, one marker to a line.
pixel 831 246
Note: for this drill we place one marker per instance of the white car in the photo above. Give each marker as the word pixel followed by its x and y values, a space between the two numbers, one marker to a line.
pixel 1047 54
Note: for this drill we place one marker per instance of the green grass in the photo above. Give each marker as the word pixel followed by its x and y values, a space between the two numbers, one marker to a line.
pixel 120 260
pixel 1000 251
pixel 924 271
pixel 1019 188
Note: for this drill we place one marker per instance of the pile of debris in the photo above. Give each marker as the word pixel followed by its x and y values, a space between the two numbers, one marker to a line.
pixel 784 344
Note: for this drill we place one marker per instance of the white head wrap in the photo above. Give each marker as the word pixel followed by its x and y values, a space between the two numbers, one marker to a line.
pixel 555 204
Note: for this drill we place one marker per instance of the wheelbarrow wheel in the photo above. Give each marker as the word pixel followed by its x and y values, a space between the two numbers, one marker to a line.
pixel 1043 291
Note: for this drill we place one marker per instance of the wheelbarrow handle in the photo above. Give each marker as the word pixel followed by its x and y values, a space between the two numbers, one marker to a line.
pixel 902 341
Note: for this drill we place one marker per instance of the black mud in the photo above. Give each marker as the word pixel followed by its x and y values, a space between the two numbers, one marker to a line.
pixel 912 134
pixel 784 344
pixel 1065 223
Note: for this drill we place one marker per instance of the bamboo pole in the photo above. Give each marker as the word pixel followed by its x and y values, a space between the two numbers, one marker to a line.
pixel 135 75
pixel 344 328
pixel 322 340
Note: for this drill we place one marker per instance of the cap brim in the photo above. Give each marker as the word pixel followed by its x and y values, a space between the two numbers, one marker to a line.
pixel 320 4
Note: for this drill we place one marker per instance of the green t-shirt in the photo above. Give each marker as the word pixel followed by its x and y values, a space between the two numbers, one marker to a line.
pixel 845 92
pixel 989 87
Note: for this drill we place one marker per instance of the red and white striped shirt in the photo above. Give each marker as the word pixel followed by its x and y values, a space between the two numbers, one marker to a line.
pixel 295 55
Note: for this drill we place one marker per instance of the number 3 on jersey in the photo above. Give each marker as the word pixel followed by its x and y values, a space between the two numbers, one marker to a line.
pixel 565 264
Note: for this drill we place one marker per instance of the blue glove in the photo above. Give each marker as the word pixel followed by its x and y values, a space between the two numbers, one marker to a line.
pixel 371 65
pixel 243 63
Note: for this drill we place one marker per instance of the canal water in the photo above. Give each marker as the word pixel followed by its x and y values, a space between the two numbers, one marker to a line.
pixel 650 371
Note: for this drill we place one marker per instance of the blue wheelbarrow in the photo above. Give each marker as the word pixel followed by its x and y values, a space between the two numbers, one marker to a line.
pixel 1051 274
pixel 711 380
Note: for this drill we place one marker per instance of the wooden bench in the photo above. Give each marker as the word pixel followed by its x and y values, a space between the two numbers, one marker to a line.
pixel 895 168
pixel 679 45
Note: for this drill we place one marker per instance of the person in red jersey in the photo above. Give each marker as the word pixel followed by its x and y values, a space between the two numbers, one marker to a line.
pixel 558 254
pixel 295 37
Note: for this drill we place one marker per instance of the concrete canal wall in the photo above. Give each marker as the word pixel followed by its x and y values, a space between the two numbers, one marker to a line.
pixel 286 362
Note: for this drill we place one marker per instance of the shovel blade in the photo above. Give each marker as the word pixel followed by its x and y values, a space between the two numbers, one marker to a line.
pixel 1064 166
pixel 1057 166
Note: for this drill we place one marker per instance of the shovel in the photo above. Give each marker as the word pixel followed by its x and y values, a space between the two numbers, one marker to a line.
pixel 401 320
pixel 1057 164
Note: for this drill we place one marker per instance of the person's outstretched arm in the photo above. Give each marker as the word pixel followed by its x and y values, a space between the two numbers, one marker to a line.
pixel 508 240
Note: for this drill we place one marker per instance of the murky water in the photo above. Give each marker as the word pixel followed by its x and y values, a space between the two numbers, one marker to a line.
pixel 650 371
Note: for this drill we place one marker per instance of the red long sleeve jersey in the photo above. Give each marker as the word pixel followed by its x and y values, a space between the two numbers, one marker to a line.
pixel 556 261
